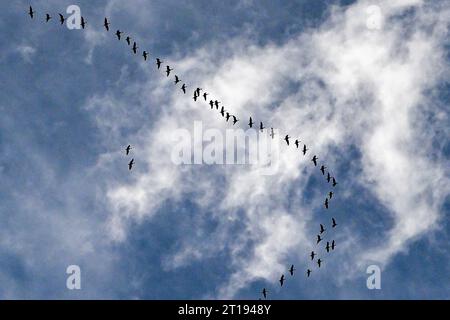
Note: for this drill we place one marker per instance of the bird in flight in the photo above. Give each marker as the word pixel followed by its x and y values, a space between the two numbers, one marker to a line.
pixel 313 254
pixel 128 40
pixel 130 165
pixel 314 160
pixel 334 182
pixel 235 120
pixel 282 280
pixel 264 293
pixel 272 134
pixel 319 262
pixel 31 12
pixel 216 103
pixel 261 126
pixel 145 55
pixel 205 96
pixel 297 143
pixel 211 103
pixel 322 229
pixel 322 168
pixel 228 116
pixel 308 273
pixel 334 224
pixel 168 70
pixel 291 270
pixel 177 79
pixel 195 96
pixel 286 139
pixel 304 149
pixel 106 24
pixel 328 246
pixel 333 245
pixel 250 123
pixel 47 17
pixel 318 238
pixel 61 18
pixel 158 63
pixel 183 87
pixel 330 194
pixel 328 177
pixel 119 35
pixel 128 149
pixel 222 111
pixel 135 47
pixel 83 23
pixel 198 91
pixel 326 203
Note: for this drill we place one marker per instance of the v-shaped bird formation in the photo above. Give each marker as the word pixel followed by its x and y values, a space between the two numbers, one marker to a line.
pixel 198 94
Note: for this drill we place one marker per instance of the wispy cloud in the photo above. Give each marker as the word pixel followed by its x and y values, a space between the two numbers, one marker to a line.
pixel 340 86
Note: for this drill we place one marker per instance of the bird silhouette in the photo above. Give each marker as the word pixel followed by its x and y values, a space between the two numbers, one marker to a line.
pixel 216 103
pixel 308 273
pixel 31 12
pixel 333 245
pixel 304 149
pixel 286 139
pixel 314 160
pixel 128 40
pixel 222 111
pixel 334 224
pixel 328 177
pixel 261 126
pixel 322 229
pixel 328 246
pixel 322 168
pixel 177 79
pixel 183 87
pixel 228 116
pixel 195 96
pixel 312 255
pixel 128 149
pixel 291 270
pixel 106 24
pixel 235 120
pixel 264 293
pixel 211 103
pixel 205 96
pixel 135 47
pixel 158 63
pixel 83 23
pixel 119 35
pixel 272 134
pixel 330 194
pixel 318 239
pixel 282 280
pixel 145 55
pixel 334 182
pixel 319 262
pixel 168 70
pixel 47 17
pixel 198 91
pixel 130 164
pixel 297 143
pixel 326 203
pixel 61 18
pixel 250 123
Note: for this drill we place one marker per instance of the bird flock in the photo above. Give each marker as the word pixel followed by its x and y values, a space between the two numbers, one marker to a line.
pixel 214 104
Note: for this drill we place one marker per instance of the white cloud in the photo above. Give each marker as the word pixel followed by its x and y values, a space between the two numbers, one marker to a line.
pixel 335 87
pixel 26 52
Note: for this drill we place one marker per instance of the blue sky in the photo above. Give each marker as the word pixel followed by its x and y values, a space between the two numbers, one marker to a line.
pixel 372 103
